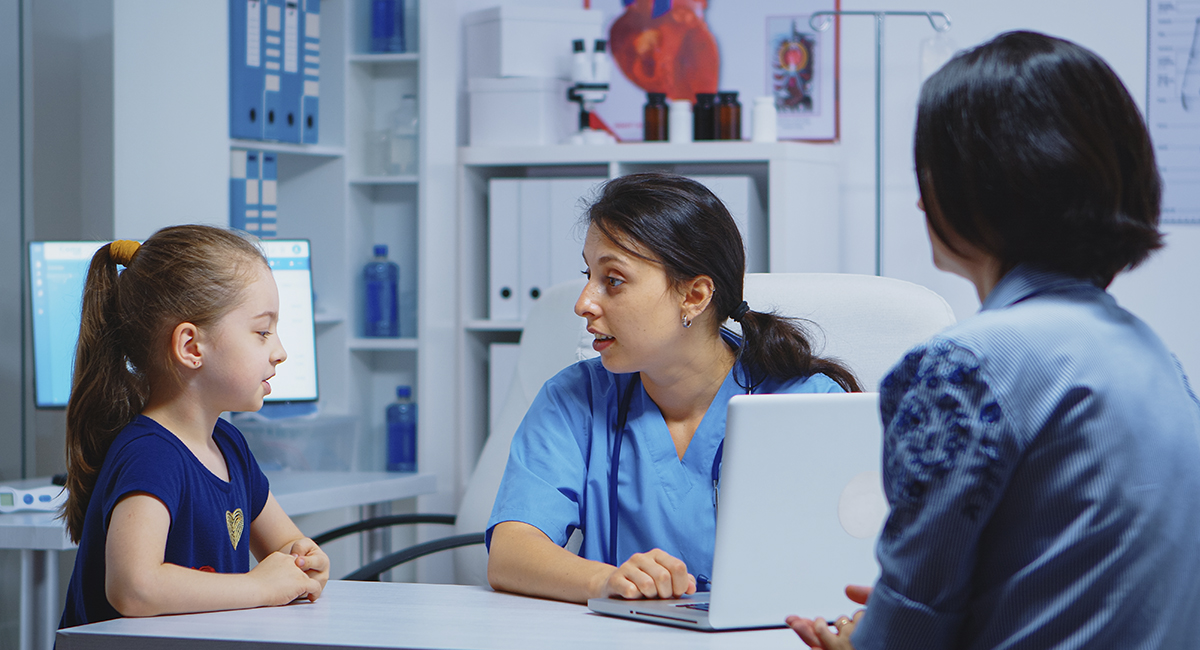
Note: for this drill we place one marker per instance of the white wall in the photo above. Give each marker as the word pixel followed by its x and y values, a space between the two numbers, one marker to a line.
pixel 1161 292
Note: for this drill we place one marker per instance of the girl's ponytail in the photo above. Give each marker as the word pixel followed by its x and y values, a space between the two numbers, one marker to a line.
pixel 105 394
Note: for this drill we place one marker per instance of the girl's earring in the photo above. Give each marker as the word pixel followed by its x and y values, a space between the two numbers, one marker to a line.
pixel 687 322
pixel 196 363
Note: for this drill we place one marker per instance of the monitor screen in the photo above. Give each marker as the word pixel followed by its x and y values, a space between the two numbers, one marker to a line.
pixel 57 271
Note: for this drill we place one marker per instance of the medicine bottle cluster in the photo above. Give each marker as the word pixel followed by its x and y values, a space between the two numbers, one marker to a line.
pixel 713 116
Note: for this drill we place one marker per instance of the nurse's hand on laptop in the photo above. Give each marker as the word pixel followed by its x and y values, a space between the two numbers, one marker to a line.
pixel 818 633
pixel 654 574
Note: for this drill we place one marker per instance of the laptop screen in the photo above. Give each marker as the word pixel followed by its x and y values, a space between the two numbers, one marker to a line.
pixel 57 270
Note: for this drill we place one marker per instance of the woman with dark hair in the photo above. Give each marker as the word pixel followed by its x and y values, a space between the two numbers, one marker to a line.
pixel 1041 459
pixel 627 447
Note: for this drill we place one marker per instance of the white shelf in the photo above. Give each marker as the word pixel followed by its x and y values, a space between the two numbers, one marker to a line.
pixel 391 57
pixel 411 179
pixel 287 147
pixel 362 344
pixel 649 153
pixel 481 325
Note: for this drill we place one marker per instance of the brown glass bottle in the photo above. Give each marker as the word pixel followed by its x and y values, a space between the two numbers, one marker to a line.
pixel 729 116
pixel 654 119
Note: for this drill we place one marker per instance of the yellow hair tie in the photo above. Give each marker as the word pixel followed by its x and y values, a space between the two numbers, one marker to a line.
pixel 123 250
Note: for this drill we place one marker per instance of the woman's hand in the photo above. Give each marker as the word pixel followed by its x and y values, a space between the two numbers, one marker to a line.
pixel 654 574
pixel 817 633
pixel 313 561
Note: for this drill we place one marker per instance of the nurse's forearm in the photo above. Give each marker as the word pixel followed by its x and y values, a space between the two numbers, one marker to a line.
pixel 523 560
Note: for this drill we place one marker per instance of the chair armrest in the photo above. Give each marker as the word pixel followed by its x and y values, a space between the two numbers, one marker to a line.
pixel 383 522
pixel 370 572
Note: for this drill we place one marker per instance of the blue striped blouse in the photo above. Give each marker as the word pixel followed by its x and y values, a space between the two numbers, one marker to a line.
pixel 1042 462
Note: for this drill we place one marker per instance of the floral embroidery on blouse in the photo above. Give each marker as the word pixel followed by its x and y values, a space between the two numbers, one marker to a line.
pixel 938 414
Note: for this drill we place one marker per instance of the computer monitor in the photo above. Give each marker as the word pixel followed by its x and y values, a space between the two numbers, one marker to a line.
pixel 58 269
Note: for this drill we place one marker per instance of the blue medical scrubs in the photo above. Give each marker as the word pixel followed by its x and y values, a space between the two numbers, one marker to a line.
pixel 557 477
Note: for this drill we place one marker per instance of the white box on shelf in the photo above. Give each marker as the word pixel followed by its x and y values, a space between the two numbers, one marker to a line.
pixel 520 111
pixel 510 41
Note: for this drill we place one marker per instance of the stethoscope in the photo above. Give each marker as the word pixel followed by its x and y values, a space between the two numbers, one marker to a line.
pixel 702 582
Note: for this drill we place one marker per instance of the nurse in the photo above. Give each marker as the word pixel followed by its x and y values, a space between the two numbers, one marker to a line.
pixel 665 264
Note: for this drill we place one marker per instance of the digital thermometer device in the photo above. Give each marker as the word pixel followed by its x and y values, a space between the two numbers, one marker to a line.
pixel 42 499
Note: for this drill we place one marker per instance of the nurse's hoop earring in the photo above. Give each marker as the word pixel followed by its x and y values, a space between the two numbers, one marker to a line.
pixel 687 322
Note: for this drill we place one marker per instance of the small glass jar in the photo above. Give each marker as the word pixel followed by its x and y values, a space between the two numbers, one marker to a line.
pixel 729 116
pixel 654 118
pixel 704 117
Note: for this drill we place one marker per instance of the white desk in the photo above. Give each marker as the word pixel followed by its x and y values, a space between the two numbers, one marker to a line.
pixel 403 615
pixel 39 536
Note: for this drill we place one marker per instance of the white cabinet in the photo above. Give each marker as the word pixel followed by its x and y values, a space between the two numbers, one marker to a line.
pixel 795 186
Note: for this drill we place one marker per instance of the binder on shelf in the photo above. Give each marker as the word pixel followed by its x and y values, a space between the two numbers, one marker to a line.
pixel 569 198
pixel 534 228
pixel 238 162
pixel 245 69
pixel 503 249
pixel 268 219
pixel 273 99
pixel 309 103
pixel 291 80
pixel 244 195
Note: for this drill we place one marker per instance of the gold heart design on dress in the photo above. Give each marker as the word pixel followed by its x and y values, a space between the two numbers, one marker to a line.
pixel 235 523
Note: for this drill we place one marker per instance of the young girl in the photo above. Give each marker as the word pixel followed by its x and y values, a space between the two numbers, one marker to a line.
pixel 1040 458
pixel 166 501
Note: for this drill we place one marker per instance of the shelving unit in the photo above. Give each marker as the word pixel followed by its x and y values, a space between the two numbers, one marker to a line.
pixel 797 183
pixel 331 194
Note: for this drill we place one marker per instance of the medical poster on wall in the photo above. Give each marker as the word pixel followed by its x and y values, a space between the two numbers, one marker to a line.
pixel 1173 106
pixel 761 48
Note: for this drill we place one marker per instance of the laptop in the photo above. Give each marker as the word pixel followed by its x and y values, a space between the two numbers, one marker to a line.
pixel 801 504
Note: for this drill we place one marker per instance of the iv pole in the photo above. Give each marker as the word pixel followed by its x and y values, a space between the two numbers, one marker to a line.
pixel 816 23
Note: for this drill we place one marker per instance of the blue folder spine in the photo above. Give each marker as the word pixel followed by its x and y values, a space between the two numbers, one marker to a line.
pixel 310 102
pixel 268 219
pixel 273 101
pixel 245 69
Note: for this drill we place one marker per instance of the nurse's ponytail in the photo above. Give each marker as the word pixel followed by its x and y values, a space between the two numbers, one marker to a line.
pixel 691 233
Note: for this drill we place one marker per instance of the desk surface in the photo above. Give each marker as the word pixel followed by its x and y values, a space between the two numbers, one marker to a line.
pixel 298 493
pixel 402 615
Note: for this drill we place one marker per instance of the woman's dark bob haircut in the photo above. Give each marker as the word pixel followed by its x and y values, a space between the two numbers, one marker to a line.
pixel 1029 148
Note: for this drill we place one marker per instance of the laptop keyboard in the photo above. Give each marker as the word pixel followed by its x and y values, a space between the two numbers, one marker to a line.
pixel 698 606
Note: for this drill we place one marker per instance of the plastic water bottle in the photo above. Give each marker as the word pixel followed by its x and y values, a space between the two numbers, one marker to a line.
pixel 381 284
pixel 402 432
pixel 387 25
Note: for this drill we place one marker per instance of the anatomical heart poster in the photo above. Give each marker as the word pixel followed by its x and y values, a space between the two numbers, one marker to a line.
pixel 754 47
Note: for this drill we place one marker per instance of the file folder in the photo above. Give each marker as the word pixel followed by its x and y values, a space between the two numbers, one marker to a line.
pixel 309 105
pixel 245 69
pixel 268 219
pixel 274 102
pixel 534 228
pixel 503 249
pixel 244 195
pixel 569 199
pixel 287 118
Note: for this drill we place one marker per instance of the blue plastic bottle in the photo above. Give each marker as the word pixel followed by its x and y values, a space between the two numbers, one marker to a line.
pixel 381 284
pixel 387 25
pixel 402 432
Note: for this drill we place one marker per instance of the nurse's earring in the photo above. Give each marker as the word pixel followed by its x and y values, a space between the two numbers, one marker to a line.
pixel 687 322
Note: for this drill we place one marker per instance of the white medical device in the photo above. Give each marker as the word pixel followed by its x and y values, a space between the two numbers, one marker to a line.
pixel 42 499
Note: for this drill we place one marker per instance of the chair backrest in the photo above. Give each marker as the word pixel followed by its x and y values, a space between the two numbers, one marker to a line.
pixel 865 321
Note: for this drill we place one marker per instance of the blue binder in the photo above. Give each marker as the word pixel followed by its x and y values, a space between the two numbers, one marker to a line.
pixel 291 80
pixel 245 69
pixel 273 100
pixel 309 125
pixel 244 190
pixel 268 216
